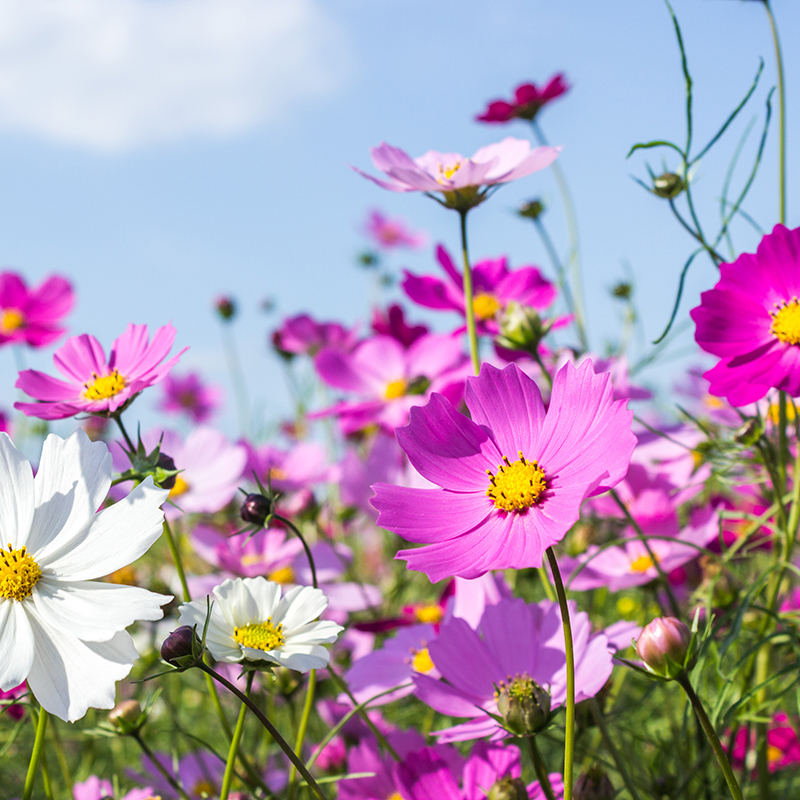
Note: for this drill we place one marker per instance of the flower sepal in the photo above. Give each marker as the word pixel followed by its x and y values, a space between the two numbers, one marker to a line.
pixel 157 464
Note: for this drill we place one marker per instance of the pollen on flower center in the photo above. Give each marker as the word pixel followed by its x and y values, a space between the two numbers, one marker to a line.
pixel 516 486
pixel 430 614
pixel 395 389
pixel 422 661
pixel 786 322
pixel 520 686
pixel 180 487
pixel 282 575
pixel 774 753
pixel 485 306
pixel 260 635
pixel 642 564
pixel 11 320
pixel 19 573
pixel 447 172
pixel 204 787
pixel 104 386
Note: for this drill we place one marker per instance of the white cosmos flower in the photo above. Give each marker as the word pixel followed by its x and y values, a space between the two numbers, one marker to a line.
pixel 251 621
pixel 59 630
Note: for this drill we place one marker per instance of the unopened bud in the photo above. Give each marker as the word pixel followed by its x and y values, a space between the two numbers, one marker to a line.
pixel 508 789
pixel 126 716
pixel 532 210
pixel 669 185
pixel 623 290
pixel 255 509
pixel 663 646
pixel 226 308
pixel 521 328
pixel 594 784
pixel 166 463
pixel 180 647
pixel 749 433
pixel 523 704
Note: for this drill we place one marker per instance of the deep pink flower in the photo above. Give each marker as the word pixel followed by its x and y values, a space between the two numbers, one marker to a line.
pixel 392 322
pixel 463 182
pixel 94 788
pixel 541 467
pixel 494 285
pixel 14 710
pixel 527 102
pixel 33 316
pixel 389 234
pixel 302 335
pixel 751 320
pixel 97 385
pixel 187 394
pixel 783 746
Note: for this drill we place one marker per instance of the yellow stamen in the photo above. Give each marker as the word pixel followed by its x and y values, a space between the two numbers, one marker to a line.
pixel 430 614
pixel 445 173
pixel 180 487
pixel 260 635
pixel 516 486
pixel 713 402
pixel 627 606
pixel 786 322
pixel 774 753
pixel 19 573
pixel 204 788
pixel 485 306
pixel 277 474
pixel 104 386
pixel 774 413
pixel 126 576
pixel 11 320
pixel 642 564
pixel 282 575
pixel 395 796
pixel 395 389
pixel 422 660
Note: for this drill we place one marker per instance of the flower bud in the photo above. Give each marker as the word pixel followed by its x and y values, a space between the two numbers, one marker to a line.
pixel 663 646
pixel 521 328
pixel 669 185
pixel 523 704
pixel 622 290
pixel 181 647
pixel 532 209
pixel 126 716
pixel 256 508
pixel 508 789
pixel 594 784
pixel 226 308
pixel 167 464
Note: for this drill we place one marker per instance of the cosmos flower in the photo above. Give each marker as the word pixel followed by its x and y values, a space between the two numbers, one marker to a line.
pixel 33 316
pixel 251 622
pixel 463 182
pixel 97 385
pixel 751 320
pixel 60 630
pixel 94 788
pixel 391 234
pixel 199 773
pixel 392 323
pixel 783 746
pixel 302 335
pixel 187 394
pixel 527 102
pixel 493 512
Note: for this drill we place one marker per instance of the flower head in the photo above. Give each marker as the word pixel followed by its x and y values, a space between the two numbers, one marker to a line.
pixel 250 621
pixel 302 335
pixel 392 322
pixel 528 100
pixel 96 384
pixel 663 646
pixel 390 234
pixel 187 394
pixel 513 477
pixel 33 316
pixel 60 631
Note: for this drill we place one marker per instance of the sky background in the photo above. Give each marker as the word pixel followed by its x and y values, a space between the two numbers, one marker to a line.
pixel 160 153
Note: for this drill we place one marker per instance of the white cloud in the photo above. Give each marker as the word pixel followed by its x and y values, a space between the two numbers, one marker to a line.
pixel 118 74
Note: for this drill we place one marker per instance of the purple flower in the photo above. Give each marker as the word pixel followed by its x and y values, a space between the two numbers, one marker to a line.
pixel 33 316
pixel 751 320
pixel 187 394
pixel 392 323
pixel 301 335
pixel 97 385
pixel 493 512
pixel 302 466
pixel 527 102
pixel 199 772
pixel 390 234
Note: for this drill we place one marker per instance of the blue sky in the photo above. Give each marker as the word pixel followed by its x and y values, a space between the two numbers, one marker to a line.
pixel 161 152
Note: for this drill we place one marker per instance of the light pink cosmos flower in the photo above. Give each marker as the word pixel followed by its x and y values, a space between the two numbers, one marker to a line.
pixel 513 477
pixel 33 316
pixel 390 379
pixel 391 234
pixel 495 286
pixel 187 394
pixel 463 182
pixel 528 100
pixel 94 788
pixel 303 465
pixel 302 335
pixel 94 384
pixel 513 639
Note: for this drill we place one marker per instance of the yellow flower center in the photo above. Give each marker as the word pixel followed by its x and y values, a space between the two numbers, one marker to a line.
pixel 786 322
pixel 260 635
pixel 19 573
pixel 485 306
pixel 627 606
pixel 395 389
pixel 395 796
pixel 126 576
pixel 204 788
pixel 11 320
pixel 282 575
pixel 180 487
pixel 422 660
pixel 105 386
pixel 516 486
pixel 445 173
pixel 774 753
pixel 520 686
pixel 430 614
pixel 713 402
pixel 642 564
pixel 774 413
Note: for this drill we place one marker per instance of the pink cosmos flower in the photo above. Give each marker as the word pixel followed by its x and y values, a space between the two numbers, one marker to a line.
pixel 97 385
pixel 302 466
pixel 463 182
pixel 391 380
pixel 14 710
pixel 493 512
pixel 390 234
pixel 301 335
pixel 495 285
pixel 514 639
pixel 199 773
pixel 527 102
pixel 783 746
pixel 94 788
pixel 392 323
pixel 751 320
pixel 187 394
pixel 33 316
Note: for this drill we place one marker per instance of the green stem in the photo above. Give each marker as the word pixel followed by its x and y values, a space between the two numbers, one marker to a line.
pixel 469 305
pixel 569 732
pixel 713 739
pixel 540 769
pixel 563 283
pixel 303 541
pixel 118 417
pixel 237 737
pixel 237 377
pixel 168 777
pixel 176 559
pixel 781 116
pixel 36 754
pixel 61 757
pixel 548 587
pixel 600 721
pixel 301 731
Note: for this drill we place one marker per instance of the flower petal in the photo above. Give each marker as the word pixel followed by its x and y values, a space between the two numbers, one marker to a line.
pixel 16 495
pixel 16 644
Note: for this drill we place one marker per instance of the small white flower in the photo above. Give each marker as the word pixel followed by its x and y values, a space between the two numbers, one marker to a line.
pixel 60 630
pixel 250 621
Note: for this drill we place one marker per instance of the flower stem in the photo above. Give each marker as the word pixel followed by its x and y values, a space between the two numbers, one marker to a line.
pixel 569 732
pixel 469 305
pixel 60 755
pixel 600 721
pixel 301 731
pixel 237 737
pixel 118 417
pixel 296 531
pixel 540 769
pixel 781 116
pixel 237 377
pixel 711 734
pixel 36 754
pixel 168 777
pixel 176 558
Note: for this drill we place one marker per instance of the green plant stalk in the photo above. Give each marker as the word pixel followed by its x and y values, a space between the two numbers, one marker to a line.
pixel 176 559
pixel 61 757
pixel 600 721
pixel 569 731
pixel 762 761
pixel 540 769
pixel 118 417
pixel 469 304
pixel 36 754
pixel 563 283
pixel 781 116
pixel 548 587
pixel 227 779
pixel 303 541
pixel 301 731
pixel 168 777
pixel 237 376
pixel 712 737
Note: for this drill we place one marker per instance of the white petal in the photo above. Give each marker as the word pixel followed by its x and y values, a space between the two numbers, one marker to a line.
pixel 95 612
pixel 71 483
pixel 236 603
pixel 303 657
pixel 16 495
pixel 69 676
pixel 16 644
pixel 315 633
pixel 300 605
pixel 266 594
pixel 219 636
pixel 116 537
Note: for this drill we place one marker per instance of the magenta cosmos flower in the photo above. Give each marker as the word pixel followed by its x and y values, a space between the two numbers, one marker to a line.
pixel 391 234
pixel 302 335
pixel 33 316
pixel 463 182
pixel 527 102
pixel 94 384
pixel 494 284
pixel 751 320
pixel 187 394
pixel 513 477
